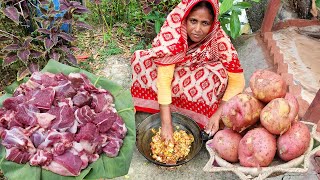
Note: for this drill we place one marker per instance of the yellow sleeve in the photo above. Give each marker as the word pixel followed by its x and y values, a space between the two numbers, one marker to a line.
pixel 236 84
pixel 164 79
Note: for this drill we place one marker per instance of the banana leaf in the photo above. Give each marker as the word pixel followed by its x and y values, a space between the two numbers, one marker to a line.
pixel 104 167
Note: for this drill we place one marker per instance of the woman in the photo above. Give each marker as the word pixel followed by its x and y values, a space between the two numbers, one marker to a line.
pixel 192 68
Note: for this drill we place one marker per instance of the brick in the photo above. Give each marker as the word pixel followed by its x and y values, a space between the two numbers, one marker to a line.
pixel 271 44
pixel 313 113
pixel 288 78
pixel 295 90
pixel 278 57
pixel 267 37
pixel 303 106
pixel 282 68
pixel 275 49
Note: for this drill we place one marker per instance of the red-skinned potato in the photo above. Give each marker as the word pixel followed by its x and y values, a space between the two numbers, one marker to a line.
pixel 275 116
pixel 294 106
pixel 226 142
pixel 294 142
pixel 240 112
pixel 267 85
pixel 257 148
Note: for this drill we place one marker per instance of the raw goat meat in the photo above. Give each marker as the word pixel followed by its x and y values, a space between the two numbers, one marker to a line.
pixel 61 123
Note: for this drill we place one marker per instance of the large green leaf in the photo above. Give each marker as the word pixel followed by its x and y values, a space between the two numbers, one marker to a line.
pixel 104 167
pixel 234 25
pixel 225 6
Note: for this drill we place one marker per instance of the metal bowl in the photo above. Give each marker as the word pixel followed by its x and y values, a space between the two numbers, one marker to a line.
pixel 144 135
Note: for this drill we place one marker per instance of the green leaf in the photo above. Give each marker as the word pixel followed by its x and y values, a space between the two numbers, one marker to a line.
pixel 104 167
pixel 257 1
pixel 3 97
pixel 157 26
pixel 225 6
pixel 318 3
pixel 243 5
pixel 234 25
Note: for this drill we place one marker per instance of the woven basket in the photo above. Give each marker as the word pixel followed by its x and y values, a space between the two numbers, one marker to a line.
pixel 299 164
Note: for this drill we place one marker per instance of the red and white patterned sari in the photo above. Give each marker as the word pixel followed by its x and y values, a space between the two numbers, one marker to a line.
pixel 200 76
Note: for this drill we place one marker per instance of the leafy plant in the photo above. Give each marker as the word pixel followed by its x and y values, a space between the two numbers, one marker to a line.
pixel 229 15
pixel 157 10
pixel 41 36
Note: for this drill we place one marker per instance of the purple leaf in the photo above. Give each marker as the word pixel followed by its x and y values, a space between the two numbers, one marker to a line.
pixel 33 67
pixel 48 44
pixel 75 3
pixel 24 55
pixel 66 37
pixel 156 2
pixel 54 55
pixel 40 38
pixel 44 2
pixel 22 73
pixel 12 47
pixel 63 7
pixel 79 9
pixel 12 13
pixel 44 31
pixel 65 49
pixel 83 25
pixel 4 38
pixel 54 37
pixel 46 23
pixel 146 9
pixel 27 42
pixel 35 54
pixel 66 21
pixel 9 59
pixel 71 58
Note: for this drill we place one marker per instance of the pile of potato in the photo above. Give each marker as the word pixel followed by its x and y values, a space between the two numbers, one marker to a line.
pixel 261 123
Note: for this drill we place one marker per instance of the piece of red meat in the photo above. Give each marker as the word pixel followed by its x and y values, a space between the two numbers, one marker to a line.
pixel 102 102
pixel 42 98
pixel 81 99
pixel 118 128
pixel 66 164
pixel 104 120
pixel 19 147
pixel 112 146
pixel 11 103
pixel 25 114
pixel 64 118
pixel 41 158
pixel 64 89
pixel 84 114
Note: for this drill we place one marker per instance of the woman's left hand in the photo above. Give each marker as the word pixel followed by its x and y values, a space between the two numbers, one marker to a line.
pixel 213 125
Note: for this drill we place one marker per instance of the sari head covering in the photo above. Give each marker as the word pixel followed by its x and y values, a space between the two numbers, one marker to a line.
pixel 171 46
pixel 200 76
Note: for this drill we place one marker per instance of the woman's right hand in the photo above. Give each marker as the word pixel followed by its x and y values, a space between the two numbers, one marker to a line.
pixel 167 132
pixel 166 123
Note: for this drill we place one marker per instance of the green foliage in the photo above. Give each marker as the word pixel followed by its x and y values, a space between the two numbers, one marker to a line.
pixel 111 49
pixel 229 16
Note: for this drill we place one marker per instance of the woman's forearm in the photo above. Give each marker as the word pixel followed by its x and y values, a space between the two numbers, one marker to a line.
pixel 165 115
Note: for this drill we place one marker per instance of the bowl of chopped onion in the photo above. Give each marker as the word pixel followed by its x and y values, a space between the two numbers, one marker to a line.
pixel 186 144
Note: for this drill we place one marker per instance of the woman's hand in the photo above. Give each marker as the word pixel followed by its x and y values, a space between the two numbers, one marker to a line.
pixel 166 123
pixel 213 125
